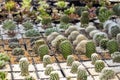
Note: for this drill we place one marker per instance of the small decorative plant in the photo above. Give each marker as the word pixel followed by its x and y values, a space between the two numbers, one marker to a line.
pixel 18 51
pixel 46 60
pixel 61 4
pixel 73 35
pixel 103 44
pixel 2 75
pixel 65 19
pixel 92 33
pixel 52 36
pixel 116 9
pixel 49 68
pixel 116 57
pixel 27 25
pixel 14 45
pixel 29 78
pixel 2 64
pixel 70 60
pixel 26 5
pixel 99 65
pixel 54 75
pixel 94 58
pixel 50 30
pixel 70 29
pixel 70 10
pixel 4 57
pixel 90 28
pixel 74 67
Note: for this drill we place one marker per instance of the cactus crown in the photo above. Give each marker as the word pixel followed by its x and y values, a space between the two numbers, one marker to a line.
pixel 74 67
pixel 70 60
pixel 46 60
pixel 18 51
pixel 116 57
pixel 99 65
pixel 73 35
pixel 54 75
pixel 94 58
pixel 49 69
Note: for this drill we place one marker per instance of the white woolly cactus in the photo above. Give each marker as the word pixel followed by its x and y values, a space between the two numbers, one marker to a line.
pixel 73 35
pixel 70 60
pixel 81 73
pixel 79 38
pixel 24 65
pixel 99 65
pixel 52 36
pixel 49 68
pixel 94 58
pixel 54 75
pixel 116 57
pixel 46 60
pixel 90 28
pixel 107 73
pixel 107 24
pixel 70 29
pixel 92 33
pixel 75 66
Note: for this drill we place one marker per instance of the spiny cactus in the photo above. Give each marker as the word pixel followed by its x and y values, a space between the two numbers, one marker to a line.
pixel 103 44
pixel 106 74
pixel 4 57
pixel 51 30
pixel 90 28
pixel 2 75
pixel 116 9
pixel 43 50
pixel 94 58
pixel 73 35
pixel 14 45
pixel 70 60
pixel 70 29
pixel 54 75
pixel 65 19
pixel 107 24
pixel 46 60
pixel 18 51
pixel 74 67
pixel 92 33
pixel 49 69
pixel 81 73
pixel 32 33
pixel 66 48
pixel 2 64
pixel 24 65
pixel 27 25
pixel 29 78
pixel 52 36
pixel 118 38
pixel 116 57
pixel 99 65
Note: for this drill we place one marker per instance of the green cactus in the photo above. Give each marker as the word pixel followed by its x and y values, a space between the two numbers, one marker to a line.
pixel 90 28
pixel 65 19
pixel 29 78
pixel 24 65
pixel 32 33
pixel 112 46
pixel 94 58
pixel 99 65
pixel 81 73
pixel 46 60
pixel 74 67
pixel 2 64
pixel 27 25
pixel 73 35
pixel 43 50
pixel 70 60
pixel 54 75
pixel 65 48
pixel 49 69
pixel 4 57
pixel 92 33
pixel 118 38
pixel 18 51
pixel 116 57
pixel 116 9
pixel 103 44
pixel 51 30
pixel 3 75
pixel 14 45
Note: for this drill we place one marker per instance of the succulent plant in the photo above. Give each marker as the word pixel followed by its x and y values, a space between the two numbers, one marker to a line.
pixel 70 29
pixel 81 73
pixel 106 74
pixel 107 24
pixel 24 65
pixel 32 33
pixel 43 50
pixel 94 58
pixel 79 10
pixel 18 51
pixel 54 75
pixel 29 78
pixel 116 9
pixel 14 45
pixel 112 46
pixel 4 57
pixel 118 38
pixel 66 48
pixel 73 35
pixel 92 33
pixel 99 65
pixel 2 64
pixel 49 68
pixel 65 19
pixel 64 26
pixel 74 67
pixel 90 28
pixel 103 44
pixel 46 20
pixel 52 36
pixel 46 60
pixel 70 60
pixel 2 75
pixel 27 25
pixel 116 57
pixel 61 4
pixel 51 30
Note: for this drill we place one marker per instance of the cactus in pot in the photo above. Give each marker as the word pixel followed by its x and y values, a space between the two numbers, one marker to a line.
pixel 70 60
pixel 18 51
pixel 4 57
pixel 99 65
pixel 54 75
pixel 94 58
pixel 24 65
pixel 46 60
pixel 73 35
pixel 3 75
pixel 52 36
pixel 75 66
pixel 103 44
pixel 116 9
pixel 116 57
pixel 49 69
pixel 90 28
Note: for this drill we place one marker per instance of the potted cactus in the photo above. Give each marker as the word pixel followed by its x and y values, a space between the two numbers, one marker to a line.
pixel 99 65
pixel 4 57
pixel 49 68
pixel 75 66
pixel 70 60
pixel 2 64
pixel 94 58
pixel 46 60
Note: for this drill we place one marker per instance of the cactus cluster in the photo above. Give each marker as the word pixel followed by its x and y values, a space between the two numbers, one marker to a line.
pixel 73 35
pixel 75 66
pixel 52 36
pixel 46 60
pixel 54 75
pixel 18 51
pixel 94 58
pixel 99 65
pixel 116 57
pixel 90 28
pixel 70 60
pixel 49 68
pixel 70 29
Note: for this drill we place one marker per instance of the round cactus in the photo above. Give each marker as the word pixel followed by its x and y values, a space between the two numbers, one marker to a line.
pixel 73 35
pixel 94 58
pixel 118 38
pixel 49 69
pixel 70 29
pixel 99 65
pixel 54 75
pixel 46 60
pixel 103 44
pixel 116 57
pixel 106 74
pixel 116 9
pixel 29 78
pixel 92 33
pixel 18 51
pixel 24 65
pixel 14 45
pixel 2 64
pixel 107 24
pixel 81 73
pixel 65 19
pixel 70 60
pixel 90 28
pixel 52 36
pixel 75 66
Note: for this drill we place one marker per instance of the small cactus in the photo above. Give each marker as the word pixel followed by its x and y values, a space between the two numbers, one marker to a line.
pixel 73 35
pixel 70 60
pixel 92 33
pixel 94 58
pixel 65 19
pixel 70 29
pixel 24 65
pixel 54 75
pixel 52 36
pixel 29 78
pixel 18 51
pixel 27 25
pixel 2 64
pixel 3 75
pixel 90 28
pixel 103 44
pixel 116 57
pixel 46 60
pixel 49 69
pixel 32 33
pixel 13 45
pixel 118 38
pixel 74 67
pixel 99 65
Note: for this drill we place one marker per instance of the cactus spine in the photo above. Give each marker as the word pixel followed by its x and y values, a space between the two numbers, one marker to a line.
pixel 70 60
pixel 49 69
pixel 94 57
pixel 99 65
pixel 54 75
pixel 24 65
pixel 46 60
pixel 74 67
pixel 116 57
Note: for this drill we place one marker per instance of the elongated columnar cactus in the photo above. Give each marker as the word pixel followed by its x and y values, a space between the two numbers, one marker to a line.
pixel 99 65
pixel 81 73
pixel 116 57
pixel 46 60
pixel 52 36
pixel 74 67
pixel 66 48
pixel 106 74
pixel 24 65
pixel 70 29
pixel 94 58
pixel 70 60
pixel 54 75
pixel 49 69
pixel 73 35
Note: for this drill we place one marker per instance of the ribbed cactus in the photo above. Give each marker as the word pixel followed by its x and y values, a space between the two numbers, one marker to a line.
pixel 66 48
pixel 116 9
pixel 94 58
pixel 90 28
pixel 106 74
pixel 73 35
pixel 29 78
pixel 81 73
pixel 92 33
pixel 70 29
pixel 74 67
pixel 52 36
pixel 54 75
pixel 99 65
pixel 70 60
pixel 46 60
pixel 116 57
pixel 24 65
pixel 49 69
pixel 103 44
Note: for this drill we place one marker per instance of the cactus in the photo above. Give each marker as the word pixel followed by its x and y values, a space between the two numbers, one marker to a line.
pixel 54 75
pixel 74 67
pixel 32 33
pixel 3 75
pixel 4 57
pixel 65 48
pixel 103 44
pixel 90 28
pixel 14 45
pixel 116 57
pixel 51 30
pixel 112 46
pixel 27 25
pixel 99 65
pixel 70 60
pixel 106 74
pixel 65 19
pixel 107 24
pixel 46 60
pixel 94 58
pixel 29 78
pixel 118 38
pixel 52 36
pixel 116 9
pixel 92 33
pixel 73 35
pixel 70 29
pixel 81 73
pixel 49 69
pixel 24 65
pixel 2 64
pixel 18 51
pixel 43 50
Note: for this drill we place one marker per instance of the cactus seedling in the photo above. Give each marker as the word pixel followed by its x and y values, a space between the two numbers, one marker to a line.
pixel 46 60
pixel 116 57
pixel 70 60
pixel 94 58
pixel 54 75
pixel 18 51
pixel 75 66
pixel 99 65
pixel 49 69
